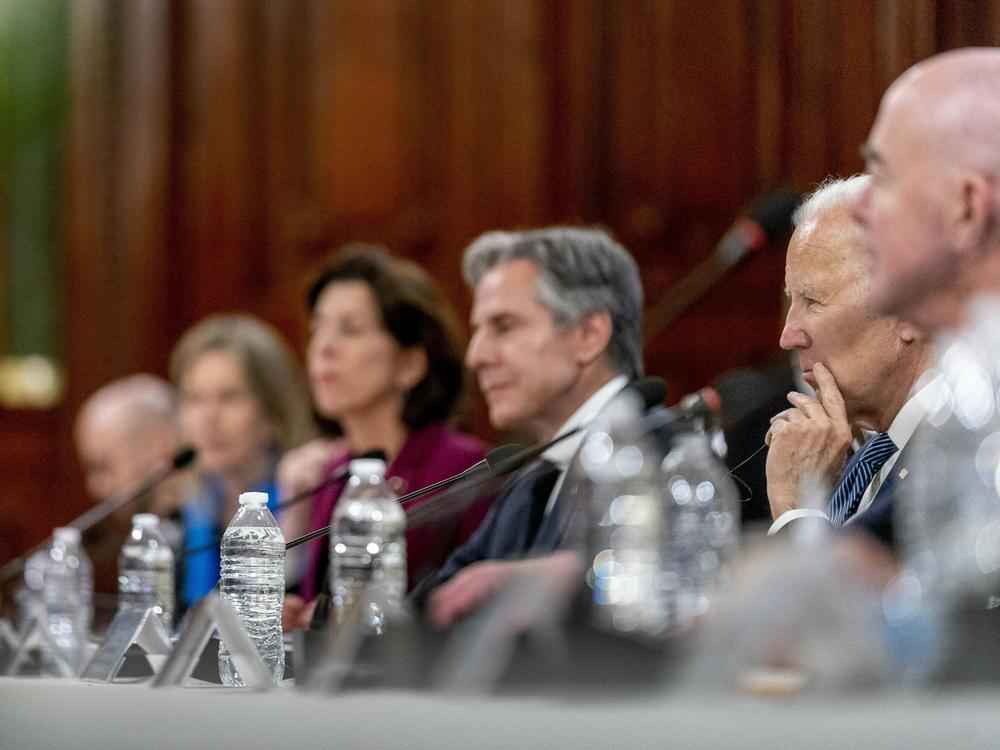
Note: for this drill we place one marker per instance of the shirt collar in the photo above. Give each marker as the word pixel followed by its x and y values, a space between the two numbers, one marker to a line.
pixel 561 454
pixel 915 409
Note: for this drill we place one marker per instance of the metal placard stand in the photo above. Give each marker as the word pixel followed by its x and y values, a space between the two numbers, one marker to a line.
pixel 342 644
pixel 482 647
pixel 34 636
pixel 212 612
pixel 142 627
pixel 9 641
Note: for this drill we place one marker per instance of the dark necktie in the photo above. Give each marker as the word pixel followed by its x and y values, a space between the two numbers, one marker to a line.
pixel 864 465
pixel 542 479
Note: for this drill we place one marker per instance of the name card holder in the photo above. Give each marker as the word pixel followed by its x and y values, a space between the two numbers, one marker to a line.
pixel 142 627
pixel 210 613
pixel 340 648
pixel 9 641
pixel 34 638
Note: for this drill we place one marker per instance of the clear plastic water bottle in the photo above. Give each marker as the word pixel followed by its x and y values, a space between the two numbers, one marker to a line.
pixel 701 526
pixel 253 580
pixel 625 523
pixel 367 546
pixel 661 528
pixel 68 596
pixel 146 569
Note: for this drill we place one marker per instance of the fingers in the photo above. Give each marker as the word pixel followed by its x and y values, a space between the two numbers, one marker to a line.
pixel 806 405
pixel 829 393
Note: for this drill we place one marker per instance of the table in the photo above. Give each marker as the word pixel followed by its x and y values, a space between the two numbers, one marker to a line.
pixel 52 714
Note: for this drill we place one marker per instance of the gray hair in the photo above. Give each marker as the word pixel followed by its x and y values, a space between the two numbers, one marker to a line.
pixel 832 193
pixel 582 271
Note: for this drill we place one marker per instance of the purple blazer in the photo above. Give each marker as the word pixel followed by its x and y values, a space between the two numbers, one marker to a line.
pixel 429 455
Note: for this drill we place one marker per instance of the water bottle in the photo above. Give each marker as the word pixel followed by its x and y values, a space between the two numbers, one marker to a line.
pixel 68 597
pixel 661 527
pixel 701 526
pixel 625 523
pixel 146 569
pixel 253 580
pixel 367 546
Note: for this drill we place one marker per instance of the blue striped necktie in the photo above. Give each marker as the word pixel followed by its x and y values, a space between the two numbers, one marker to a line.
pixel 858 474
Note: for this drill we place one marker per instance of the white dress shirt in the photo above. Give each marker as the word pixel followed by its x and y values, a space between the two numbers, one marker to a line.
pixel 561 454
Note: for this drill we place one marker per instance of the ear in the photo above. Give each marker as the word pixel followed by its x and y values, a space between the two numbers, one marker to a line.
pixel 411 367
pixel 974 216
pixel 908 333
pixel 593 334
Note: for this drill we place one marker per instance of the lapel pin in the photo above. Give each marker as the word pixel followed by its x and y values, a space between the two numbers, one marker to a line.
pixel 903 473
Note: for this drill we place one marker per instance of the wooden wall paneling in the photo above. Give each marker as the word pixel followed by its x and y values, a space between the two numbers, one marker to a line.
pixel 218 234
pixel 286 199
pixel 809 91
pixel 856 88
pixel 905 33
pixel 768 31
pixel 578 90
pixel 523 117
pixel 89 327
pixel 632 144
pixel 359 156
pixel 140 167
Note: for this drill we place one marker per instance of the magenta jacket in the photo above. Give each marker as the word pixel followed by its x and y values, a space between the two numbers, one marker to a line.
pixel 428 456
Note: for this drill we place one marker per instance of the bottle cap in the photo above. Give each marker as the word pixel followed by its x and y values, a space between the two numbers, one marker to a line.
pixel 253 498
pixel 66 534
pixel 145 519
pixel 365 467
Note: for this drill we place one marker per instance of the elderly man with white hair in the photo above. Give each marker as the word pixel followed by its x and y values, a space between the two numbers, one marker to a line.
pixel 863 365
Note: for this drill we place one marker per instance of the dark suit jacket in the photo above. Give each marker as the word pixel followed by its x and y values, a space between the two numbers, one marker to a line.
pixel 877 520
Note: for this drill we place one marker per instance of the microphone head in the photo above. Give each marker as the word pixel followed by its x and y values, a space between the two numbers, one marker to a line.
pixel 651 390
pixel 184 457
pixel 773 212
pixel 500 455
pixel 703 404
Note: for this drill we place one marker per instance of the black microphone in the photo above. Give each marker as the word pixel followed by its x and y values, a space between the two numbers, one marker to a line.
pixel 184 457
pixel 768 219
pixel 338 476
pixel 699 408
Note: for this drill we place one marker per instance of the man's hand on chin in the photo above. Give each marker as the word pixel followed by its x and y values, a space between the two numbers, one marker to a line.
pixel 807 442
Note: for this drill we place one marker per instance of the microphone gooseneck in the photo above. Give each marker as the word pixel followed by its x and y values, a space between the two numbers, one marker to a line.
pixel 338 476
pixel 86 521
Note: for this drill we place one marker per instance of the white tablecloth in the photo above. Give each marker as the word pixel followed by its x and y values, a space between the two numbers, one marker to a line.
pixel 54 714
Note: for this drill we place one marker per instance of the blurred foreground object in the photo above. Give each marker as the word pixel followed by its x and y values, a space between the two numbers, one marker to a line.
pixel 660 529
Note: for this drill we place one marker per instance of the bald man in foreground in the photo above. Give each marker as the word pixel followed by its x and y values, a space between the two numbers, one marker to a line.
pixel 932 217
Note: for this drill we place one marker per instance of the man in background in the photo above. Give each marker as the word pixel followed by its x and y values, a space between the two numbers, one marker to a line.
pixel 125 431
pixel 556 318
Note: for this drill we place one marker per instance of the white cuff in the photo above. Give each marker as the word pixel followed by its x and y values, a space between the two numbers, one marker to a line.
pixel 790 515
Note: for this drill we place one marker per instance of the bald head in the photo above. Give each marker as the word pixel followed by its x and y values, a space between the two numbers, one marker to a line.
pixel 124 431
pixel 931 210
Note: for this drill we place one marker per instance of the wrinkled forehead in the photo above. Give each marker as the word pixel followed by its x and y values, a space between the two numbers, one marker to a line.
pixel 826 253
pixel 511 284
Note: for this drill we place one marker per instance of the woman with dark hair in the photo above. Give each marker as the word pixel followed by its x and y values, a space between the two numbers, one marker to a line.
pixel 385 368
